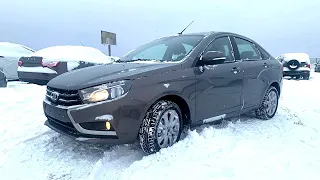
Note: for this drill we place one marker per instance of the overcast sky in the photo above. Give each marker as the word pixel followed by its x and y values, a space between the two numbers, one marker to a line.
pixel 278 25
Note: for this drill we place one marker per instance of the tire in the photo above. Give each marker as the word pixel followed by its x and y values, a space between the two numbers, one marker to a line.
pixel 148 133
pixel 306 77
pixel 3 81
pixel 293 64
pixel 262 111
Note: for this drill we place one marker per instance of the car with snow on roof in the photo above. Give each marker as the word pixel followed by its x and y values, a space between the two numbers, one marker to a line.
pixel 43 65
pixel 296 65
pixel 163 87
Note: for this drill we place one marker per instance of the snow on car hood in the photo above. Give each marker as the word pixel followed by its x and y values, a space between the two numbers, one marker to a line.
pixel 74 53
pixel 301 57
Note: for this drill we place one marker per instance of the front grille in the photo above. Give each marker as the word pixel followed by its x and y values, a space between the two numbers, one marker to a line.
pixel 63 97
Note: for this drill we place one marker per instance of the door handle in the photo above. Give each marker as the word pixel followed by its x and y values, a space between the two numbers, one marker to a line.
pixel 235 70
pixel 1 56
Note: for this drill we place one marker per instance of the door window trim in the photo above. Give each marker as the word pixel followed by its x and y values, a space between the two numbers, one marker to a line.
pixel 233 40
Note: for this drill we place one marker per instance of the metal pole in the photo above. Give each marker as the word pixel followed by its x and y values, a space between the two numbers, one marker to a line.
pixel 109 49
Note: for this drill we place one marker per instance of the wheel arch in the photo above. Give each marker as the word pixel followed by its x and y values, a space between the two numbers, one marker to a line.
pixel 274 84
pixel 277 86
pixel 176 98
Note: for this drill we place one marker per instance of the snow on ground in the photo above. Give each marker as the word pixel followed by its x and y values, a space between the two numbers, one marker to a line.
pixel 285 147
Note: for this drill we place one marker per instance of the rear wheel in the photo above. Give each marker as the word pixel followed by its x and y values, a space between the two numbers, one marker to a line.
pixel 306 77
pixel 269 105
pixel 161 127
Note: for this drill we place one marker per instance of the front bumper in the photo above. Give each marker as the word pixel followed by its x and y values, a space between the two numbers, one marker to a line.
pixel 79 121
pixel 296 73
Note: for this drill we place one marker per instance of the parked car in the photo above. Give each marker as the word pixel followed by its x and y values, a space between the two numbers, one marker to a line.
pixel 9 56
pixel 163 87
pixel 3 79
pixel 317 67
pixel 45 64
pixel 296 65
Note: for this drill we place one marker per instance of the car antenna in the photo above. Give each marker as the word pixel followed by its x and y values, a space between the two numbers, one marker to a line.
pixel 82 44
pixel 185 28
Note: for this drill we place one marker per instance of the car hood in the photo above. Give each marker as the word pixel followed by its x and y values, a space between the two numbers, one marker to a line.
pixel 96 75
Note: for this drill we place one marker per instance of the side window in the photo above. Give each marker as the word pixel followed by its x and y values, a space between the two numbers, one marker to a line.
pixel 247 50
pixel 155 52
pixel 264 54
pixel 221 44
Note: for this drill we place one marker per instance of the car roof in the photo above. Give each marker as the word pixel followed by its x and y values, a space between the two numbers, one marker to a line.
pixel 206 33
pixel 10 44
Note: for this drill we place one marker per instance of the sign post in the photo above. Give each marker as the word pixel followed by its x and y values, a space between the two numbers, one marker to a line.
pixel 108 38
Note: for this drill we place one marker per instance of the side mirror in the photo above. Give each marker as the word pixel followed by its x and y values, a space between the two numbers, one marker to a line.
pixel 213 57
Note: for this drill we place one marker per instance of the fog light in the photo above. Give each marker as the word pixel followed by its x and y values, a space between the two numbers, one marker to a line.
pixel 108 125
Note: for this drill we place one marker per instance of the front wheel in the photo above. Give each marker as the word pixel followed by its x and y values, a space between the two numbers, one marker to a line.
pixel 269 105
pixel 161 127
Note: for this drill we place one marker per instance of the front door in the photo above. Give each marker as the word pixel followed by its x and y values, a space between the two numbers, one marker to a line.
pixel 218 87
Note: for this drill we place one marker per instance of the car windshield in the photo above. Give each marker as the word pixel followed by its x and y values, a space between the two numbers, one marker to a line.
pixel 173 48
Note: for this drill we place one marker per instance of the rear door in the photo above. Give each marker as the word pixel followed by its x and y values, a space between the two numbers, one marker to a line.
pixel 218 87
pixel 254 66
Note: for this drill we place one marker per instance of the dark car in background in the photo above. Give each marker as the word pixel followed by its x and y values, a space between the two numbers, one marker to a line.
pixel 317 67
pixel 163 87
pixel 42 66
pixel 3 79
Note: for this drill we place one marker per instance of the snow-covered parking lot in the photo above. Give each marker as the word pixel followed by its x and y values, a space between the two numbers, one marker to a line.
pixel 285 147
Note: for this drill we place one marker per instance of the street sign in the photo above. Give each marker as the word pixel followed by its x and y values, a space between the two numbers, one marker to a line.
pixel 108 38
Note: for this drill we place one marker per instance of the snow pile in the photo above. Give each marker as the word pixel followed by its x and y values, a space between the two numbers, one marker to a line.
pixel 285 147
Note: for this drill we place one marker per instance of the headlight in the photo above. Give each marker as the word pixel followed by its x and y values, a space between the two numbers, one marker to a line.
pixel 109 91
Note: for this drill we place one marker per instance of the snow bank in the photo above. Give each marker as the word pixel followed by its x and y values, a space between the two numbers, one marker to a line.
pixel 73 54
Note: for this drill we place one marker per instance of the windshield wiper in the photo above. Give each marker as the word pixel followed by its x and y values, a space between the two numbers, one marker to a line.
pixel 133 60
